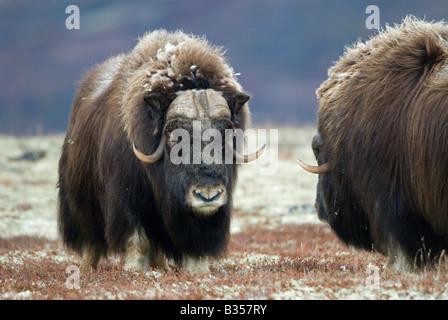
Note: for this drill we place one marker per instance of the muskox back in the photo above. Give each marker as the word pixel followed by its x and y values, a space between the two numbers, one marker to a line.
pixel 118 189
pixel 383 131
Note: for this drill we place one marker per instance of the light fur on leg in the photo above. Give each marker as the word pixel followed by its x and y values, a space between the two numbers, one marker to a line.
pixel 195 265
pixel 89 259
pixel 137 251
pixel 140 254
pixel 157 258
pixel 398 260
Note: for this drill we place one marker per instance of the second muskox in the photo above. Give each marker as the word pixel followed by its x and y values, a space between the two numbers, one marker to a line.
pixel 119 189
pixel 382 144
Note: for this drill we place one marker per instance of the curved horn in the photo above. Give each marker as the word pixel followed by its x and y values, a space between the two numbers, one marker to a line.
pixel 323 168
pixel 239 158
pixel 156 156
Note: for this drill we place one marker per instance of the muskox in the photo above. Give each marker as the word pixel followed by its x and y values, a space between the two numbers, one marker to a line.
pixel 119 191
pixel 382 144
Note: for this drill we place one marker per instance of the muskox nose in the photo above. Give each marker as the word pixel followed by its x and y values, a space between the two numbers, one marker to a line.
pixel 206 200
pixel 208 194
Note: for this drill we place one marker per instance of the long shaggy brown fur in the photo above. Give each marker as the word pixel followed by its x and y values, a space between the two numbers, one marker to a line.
pixel 105 193
pixel 383 121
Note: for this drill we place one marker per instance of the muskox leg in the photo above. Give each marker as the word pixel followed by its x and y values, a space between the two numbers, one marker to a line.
pixel 89 258
pixel 140 253
pixel 398 260
pixel 157 258
pixel 195 265
pixel 137 251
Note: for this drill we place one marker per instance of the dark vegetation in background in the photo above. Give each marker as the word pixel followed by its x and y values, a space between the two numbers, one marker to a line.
pixel 281 48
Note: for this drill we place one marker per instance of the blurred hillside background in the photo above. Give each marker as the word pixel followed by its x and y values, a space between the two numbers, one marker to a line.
pixel 282 49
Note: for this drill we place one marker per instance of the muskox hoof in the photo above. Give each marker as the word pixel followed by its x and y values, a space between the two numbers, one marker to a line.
pixel 195 265
pixel 140 254
pixel 155 259
pixel 139 263
pixel 398 261
pixel 90 259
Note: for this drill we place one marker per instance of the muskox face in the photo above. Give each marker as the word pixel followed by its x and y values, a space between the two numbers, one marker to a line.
pixel 192 151
pixel 324 185
pixel 336 202
pixel 325 196
pixel 196 169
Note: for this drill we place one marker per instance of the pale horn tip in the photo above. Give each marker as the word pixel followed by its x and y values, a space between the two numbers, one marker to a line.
pixel 321 169
pixel 248 158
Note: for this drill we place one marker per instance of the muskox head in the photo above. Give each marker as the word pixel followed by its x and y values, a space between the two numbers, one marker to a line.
pixel 193 140
pixel 338 201
pixel 321 169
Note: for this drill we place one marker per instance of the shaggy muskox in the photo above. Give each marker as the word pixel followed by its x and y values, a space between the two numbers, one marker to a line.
pixel 382 144
pixel 119 190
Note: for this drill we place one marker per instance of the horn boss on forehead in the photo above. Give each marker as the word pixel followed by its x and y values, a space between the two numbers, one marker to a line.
pixel 197 105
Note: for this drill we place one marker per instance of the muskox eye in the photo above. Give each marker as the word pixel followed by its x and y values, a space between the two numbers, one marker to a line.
pixel 316 144
pixel 316 151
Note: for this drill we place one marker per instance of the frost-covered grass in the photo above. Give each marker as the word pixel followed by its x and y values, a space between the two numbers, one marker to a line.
pixel 278 248
pixel 28 188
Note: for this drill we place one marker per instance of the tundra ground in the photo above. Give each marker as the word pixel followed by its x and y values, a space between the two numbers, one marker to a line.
pixel 278 249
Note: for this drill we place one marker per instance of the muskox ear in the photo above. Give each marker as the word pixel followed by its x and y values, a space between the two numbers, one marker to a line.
pixel 154 102
pixel 237 100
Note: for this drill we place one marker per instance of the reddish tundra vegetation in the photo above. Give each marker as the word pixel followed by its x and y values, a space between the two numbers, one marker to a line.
pixel 278 248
